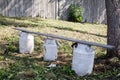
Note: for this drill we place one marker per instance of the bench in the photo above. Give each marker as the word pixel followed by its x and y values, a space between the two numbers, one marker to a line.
pixel 83 54
pixel 68 39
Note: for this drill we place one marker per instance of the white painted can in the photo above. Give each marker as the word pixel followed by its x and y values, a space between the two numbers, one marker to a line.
pixel 26 43
pixel 83 60
pixel 50 50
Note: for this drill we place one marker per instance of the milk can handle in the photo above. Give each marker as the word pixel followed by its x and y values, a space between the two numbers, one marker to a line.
pixel 74 45
pixel 47 39
pixel 58 43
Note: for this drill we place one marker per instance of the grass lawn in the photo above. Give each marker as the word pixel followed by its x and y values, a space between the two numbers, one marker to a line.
pixel 15 66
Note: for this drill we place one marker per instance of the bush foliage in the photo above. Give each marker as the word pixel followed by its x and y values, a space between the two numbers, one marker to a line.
pixel 75 13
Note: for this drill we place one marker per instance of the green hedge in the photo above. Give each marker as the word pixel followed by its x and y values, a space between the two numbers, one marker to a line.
pixel 75 13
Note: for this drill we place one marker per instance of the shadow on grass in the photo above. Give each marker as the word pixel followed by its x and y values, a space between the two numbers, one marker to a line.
pixel 17 57
pixel 24 68
pixel 12 22
pixel 25 63
pixel 39 68
pixel 84 32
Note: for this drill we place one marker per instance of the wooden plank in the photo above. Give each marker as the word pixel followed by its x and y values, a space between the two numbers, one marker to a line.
pixel 68 39
pixel 1 6
pixel 27 8
pixel 93 10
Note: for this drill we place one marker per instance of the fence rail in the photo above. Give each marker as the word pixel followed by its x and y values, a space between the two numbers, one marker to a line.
pixel 68 39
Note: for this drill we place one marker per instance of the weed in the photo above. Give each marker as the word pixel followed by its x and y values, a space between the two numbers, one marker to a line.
pixel 12 44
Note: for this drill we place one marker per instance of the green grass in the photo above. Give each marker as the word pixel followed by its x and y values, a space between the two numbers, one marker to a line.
pixel 15 66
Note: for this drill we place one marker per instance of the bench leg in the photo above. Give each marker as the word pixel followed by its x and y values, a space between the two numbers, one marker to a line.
pixel 83 59
pixel 50 50
pixel 26 43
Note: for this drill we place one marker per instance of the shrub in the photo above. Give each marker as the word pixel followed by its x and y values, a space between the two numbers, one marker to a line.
pixel 75 13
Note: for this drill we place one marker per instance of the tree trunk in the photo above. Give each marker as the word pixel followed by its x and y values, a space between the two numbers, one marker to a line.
pixel 113 22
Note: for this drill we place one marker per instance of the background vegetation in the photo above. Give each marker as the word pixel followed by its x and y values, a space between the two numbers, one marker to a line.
pixel 15 66
pixel 75 13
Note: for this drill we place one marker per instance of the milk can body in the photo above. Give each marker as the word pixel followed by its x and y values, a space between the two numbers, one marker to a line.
pixel 83 60
pixel 26 43
pixel 50 50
